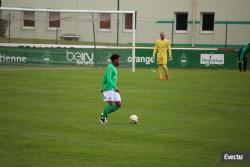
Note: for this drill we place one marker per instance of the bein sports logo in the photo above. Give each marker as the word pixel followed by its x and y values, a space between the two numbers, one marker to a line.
pixel 81 58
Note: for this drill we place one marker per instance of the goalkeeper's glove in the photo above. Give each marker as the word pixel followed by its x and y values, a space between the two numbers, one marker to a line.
pixel 170 58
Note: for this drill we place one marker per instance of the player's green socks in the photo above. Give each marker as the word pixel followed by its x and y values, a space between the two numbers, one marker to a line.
pixel 105 110
pixel 109 108
pixel 113 108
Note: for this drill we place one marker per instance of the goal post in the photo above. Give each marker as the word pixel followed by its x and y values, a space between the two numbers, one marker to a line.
pixel 73 28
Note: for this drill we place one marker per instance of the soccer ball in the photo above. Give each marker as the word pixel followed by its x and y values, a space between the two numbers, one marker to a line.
pixel 133 119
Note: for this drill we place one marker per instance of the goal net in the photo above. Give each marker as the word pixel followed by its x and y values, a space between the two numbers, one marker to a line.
pixel 60 36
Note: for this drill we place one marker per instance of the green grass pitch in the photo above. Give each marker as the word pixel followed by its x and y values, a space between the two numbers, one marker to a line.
pixel 49 118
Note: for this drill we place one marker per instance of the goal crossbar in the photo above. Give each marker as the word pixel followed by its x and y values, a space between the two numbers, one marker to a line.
pixel 65 10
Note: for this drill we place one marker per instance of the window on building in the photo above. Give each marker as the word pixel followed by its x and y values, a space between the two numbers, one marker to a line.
pixel 181 22
pixel 104 21
pixel 28 19
pixel 54 20
pixel 128 21
pixel 207 22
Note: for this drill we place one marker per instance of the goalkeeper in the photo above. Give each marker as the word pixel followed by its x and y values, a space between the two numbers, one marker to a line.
pixel 163 50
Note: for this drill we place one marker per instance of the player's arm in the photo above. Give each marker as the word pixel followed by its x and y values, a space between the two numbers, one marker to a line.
pixel 155 49
pixel 170 51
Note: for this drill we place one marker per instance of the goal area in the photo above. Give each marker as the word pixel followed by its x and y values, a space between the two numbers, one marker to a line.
pixel 62 36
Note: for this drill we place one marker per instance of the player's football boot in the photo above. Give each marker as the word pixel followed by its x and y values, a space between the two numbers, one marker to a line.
pixel 167 77
pixel 103 120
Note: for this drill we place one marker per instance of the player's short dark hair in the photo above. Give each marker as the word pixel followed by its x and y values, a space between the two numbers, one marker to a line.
pixel 114 56
pixel 249 44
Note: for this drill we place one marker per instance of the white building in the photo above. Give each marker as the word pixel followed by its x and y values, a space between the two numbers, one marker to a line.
pixel 186 22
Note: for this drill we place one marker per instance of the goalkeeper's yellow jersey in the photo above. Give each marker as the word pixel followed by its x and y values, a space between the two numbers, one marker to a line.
pixel 162 47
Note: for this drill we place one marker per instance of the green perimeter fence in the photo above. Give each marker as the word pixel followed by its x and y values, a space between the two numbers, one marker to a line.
pixel 90 57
